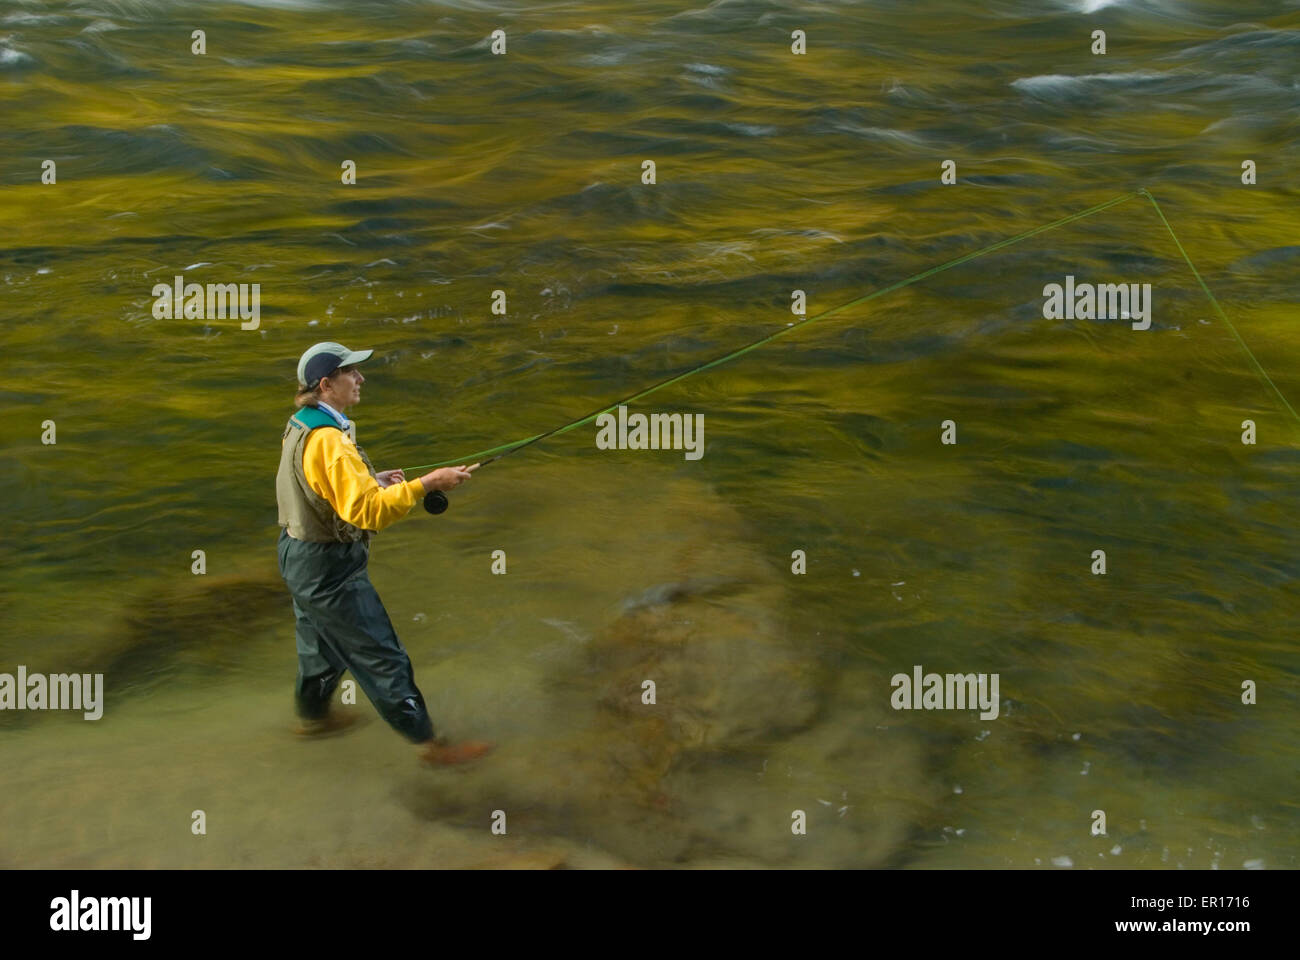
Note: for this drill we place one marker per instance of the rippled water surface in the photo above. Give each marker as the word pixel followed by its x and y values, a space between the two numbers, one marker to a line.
pixel 775 172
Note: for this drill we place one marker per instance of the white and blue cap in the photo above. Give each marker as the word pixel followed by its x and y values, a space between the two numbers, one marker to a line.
pixel 323 359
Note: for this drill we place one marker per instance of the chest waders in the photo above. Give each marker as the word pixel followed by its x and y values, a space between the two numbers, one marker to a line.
pixel 341 622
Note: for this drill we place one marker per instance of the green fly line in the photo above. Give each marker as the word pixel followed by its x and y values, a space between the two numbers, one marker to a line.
pixel 505 449
pixel 1218 309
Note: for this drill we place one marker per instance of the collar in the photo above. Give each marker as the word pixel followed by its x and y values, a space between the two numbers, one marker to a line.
pixel 342 420
pixel 344 423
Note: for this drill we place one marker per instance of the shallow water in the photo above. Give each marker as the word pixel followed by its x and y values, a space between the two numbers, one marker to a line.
pixel 775 172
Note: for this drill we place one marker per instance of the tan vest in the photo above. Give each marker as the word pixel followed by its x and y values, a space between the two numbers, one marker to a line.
pixel 307 514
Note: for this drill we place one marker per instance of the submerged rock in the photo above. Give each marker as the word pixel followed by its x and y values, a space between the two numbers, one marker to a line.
pixel 183 629
pixel 739 735
pixel 204 622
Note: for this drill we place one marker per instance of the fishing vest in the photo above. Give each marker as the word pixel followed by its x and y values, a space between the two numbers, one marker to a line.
pixel 307 514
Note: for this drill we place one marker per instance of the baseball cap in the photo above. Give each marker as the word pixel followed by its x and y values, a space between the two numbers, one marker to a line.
pixel 322 359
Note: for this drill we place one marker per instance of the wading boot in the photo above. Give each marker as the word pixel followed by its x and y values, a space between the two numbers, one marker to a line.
pixel 336 721
pixel 438 752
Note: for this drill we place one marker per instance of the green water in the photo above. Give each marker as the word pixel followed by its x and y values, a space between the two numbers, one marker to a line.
pixel 775 172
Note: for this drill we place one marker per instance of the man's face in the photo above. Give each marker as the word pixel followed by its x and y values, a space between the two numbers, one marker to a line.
pixel 344 388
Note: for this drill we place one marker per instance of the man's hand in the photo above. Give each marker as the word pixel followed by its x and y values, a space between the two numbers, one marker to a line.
pixel 386 478
pixel 447 478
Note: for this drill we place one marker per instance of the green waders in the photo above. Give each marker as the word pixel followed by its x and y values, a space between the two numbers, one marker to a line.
pixel 342 625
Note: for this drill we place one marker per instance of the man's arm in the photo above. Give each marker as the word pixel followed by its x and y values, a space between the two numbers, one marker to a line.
pixel 336 472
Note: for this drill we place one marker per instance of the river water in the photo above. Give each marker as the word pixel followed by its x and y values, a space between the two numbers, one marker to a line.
pixel 1120 692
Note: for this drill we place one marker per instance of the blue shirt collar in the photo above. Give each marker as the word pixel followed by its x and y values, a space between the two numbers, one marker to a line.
pixel 343 421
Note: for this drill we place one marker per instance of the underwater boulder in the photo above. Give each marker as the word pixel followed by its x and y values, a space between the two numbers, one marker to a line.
pixel 685 599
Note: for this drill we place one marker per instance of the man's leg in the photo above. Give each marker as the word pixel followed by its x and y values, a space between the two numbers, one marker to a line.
pixel 303 566
pixel 319 669
pixel 353 622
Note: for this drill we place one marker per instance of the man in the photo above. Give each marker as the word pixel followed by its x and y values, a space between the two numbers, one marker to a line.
pixel 331 502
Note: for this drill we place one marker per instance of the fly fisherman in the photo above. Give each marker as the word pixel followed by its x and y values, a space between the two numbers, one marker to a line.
pixel 331 503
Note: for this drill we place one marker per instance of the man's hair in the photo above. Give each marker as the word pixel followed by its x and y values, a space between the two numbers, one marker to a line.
pixel 307 396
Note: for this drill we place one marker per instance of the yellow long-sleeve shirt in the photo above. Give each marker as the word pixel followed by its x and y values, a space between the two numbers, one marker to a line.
pixel 336 472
